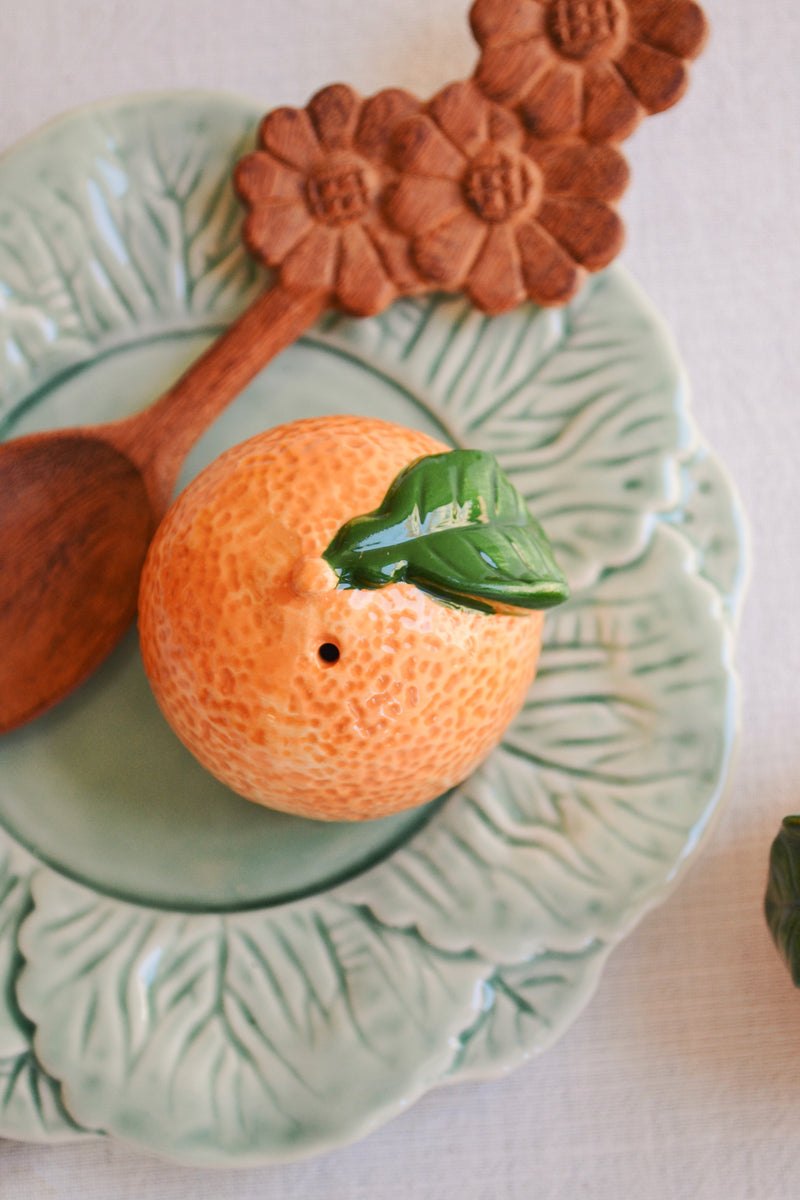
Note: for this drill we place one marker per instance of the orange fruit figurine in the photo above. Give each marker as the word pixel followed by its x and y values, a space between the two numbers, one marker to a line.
pixel 302 630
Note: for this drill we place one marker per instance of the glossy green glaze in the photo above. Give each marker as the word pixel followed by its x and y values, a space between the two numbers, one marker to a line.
pixel 782 901
pixel 175 1002
pixel 455 526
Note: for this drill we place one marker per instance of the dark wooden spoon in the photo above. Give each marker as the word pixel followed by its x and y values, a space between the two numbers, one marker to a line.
pixel 80 506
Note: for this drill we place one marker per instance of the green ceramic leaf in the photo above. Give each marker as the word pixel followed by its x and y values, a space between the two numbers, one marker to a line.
pixel 236 1038
pixel 453 525
pixel 782 903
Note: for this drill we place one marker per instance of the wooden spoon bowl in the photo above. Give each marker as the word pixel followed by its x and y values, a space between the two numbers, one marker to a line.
pixel 74 529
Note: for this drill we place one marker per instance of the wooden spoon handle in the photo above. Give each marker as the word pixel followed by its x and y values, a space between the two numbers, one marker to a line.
pixel 158 439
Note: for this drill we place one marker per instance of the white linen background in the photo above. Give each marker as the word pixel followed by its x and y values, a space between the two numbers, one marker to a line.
pixel 681 1080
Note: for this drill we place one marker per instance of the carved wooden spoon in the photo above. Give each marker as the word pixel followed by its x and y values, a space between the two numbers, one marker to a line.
pixel 471 205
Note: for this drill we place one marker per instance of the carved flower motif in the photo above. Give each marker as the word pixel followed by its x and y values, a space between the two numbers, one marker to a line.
pixel 590 66
pixel 498 216
pixel 314 189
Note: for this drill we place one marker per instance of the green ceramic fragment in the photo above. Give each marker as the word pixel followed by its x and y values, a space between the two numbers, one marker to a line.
pixel 782 901
pixel 454 525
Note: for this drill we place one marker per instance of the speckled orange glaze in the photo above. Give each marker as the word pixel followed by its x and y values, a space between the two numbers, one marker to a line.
pixel 236 604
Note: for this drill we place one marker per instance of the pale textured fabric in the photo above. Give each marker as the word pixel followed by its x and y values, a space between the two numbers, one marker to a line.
pixel 682 1078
